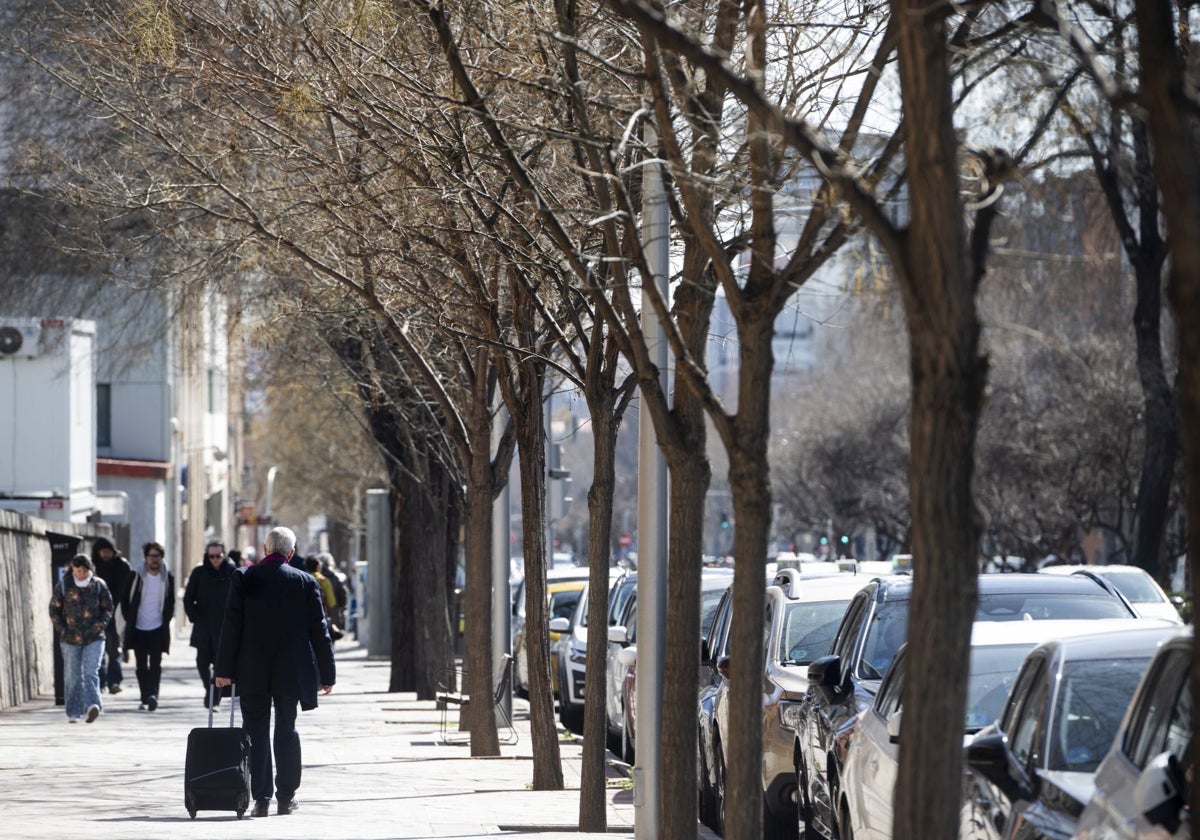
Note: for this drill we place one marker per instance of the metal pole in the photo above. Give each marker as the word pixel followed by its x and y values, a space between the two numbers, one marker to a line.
pixel 652 523
pixel 501 571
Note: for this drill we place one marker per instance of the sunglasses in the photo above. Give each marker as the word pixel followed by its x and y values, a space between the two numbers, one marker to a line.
pixel 154 554
pixel 215 556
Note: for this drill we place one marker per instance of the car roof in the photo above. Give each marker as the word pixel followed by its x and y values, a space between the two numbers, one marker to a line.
pixel 558 573
pixel 1100 569
pixel 840 587
pixel 989 633
pixel 1139 641
pixel 1003 583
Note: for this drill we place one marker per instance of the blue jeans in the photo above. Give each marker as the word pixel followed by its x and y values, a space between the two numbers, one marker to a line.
pixel 81 680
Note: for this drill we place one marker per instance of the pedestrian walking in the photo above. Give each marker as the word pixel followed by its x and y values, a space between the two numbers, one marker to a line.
pixel 276 645
pixel 148 607
pixel 204 600
pixel 116 573
pixel 80 610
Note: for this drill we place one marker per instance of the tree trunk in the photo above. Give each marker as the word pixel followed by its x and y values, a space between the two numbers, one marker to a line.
pixel 479 715
pixel 1161 424
pixel 750 484
pixel 593 793
pixel 948 378
pixel 1172 133
pixel 531 442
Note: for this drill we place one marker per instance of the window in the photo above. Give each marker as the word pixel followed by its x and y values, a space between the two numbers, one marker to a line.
pixel 888 701
pixel 1163 720
pixel 1024 737
pixel 103 414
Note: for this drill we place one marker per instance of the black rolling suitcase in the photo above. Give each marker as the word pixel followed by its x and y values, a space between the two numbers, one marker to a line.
pixel 217 767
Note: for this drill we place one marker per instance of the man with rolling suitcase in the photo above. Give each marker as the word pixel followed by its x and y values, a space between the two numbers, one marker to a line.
pixel 275 644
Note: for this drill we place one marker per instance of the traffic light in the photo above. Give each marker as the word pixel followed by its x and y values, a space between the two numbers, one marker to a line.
pixel 724 521
pixel 845 539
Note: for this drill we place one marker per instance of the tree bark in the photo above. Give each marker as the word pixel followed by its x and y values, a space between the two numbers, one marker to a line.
pixel 1173 135
pixel 948 378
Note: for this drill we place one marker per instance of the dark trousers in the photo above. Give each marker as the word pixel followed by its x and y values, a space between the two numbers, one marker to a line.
pixel 256 720
pixel 148 646
pixel 206 658
pixel 110 663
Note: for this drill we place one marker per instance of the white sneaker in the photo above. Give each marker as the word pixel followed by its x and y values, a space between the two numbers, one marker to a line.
pixel 73 718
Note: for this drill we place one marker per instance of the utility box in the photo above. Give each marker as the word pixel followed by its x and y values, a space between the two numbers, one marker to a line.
pixel 48 417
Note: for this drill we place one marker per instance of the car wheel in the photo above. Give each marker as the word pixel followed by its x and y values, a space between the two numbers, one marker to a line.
pixel 708 805
pixel 845 830
pixel 776 829
pixel 627 748
pixel 803 803
pixel 718 824
pixel 571 714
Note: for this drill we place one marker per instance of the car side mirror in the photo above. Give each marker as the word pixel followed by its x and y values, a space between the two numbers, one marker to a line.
pixel 988 755
pixel 618 634
pixel 825 674
pixel 560 625
pixel 1159 792
pixel 723 666
pixel 893 726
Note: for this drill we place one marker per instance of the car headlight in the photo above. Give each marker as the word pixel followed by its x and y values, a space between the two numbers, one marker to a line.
pixel 790 715
pixel 578 655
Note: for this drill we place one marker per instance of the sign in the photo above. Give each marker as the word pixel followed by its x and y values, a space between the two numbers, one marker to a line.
pixel 52 504
pixel 625 539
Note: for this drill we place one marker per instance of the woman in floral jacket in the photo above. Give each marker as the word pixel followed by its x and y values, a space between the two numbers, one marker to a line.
pixel 80 609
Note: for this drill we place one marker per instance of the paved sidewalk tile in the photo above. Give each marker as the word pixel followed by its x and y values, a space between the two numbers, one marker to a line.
pixel 373 768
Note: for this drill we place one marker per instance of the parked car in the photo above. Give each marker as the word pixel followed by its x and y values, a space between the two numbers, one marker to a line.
pixel 568 658
pixel 1029 775
pixel 800 619
pixel 998 649
pixel 1136 584
pixel 844 683
pixel 622 670
pixel 563 588
pixel 1141 785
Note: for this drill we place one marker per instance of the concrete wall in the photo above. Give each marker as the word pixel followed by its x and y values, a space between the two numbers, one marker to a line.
pixel 26 637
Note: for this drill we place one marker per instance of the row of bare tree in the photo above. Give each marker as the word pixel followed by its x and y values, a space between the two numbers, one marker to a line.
pixel 450 194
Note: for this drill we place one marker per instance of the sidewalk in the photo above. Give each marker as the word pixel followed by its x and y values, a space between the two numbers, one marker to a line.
pixel 373 768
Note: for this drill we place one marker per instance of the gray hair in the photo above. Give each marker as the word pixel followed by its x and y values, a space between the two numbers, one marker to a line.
pixel 280 540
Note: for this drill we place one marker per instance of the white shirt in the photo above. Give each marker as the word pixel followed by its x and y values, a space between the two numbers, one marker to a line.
pixel 149 615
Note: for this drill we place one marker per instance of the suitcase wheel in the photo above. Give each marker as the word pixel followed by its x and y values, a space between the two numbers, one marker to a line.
pixel 191 813
pixel 241 813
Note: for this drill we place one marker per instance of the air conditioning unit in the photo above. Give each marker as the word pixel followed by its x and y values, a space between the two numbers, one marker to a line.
pixel 20 337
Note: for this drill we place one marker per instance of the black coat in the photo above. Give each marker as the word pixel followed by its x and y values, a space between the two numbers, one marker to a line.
pixel 274 639
pixel 204 600
pixel 133 600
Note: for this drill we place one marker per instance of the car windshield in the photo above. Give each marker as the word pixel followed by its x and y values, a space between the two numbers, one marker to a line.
pixel 993 670
pixel 1093 696
pixel 1024 606
pixel 1137 587
pixel 562 604
pixel 808 630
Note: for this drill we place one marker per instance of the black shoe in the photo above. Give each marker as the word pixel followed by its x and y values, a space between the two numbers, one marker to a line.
pixel 287 806
pixel 262 808
pixel 152 703
pixel 206 702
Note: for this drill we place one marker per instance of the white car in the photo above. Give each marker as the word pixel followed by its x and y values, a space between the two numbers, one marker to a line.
pixel 1139 588
pixel 998 650
pixel 1140 786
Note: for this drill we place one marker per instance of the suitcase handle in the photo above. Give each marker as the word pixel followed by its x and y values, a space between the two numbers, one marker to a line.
pixel 211 691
